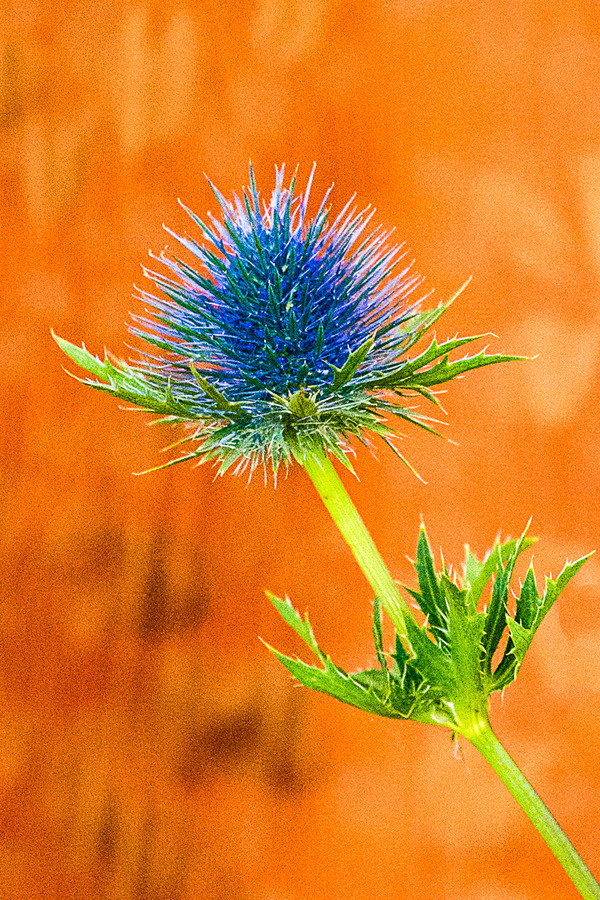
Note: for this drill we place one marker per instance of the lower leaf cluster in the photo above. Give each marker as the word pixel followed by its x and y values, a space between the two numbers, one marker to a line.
pixel 465 650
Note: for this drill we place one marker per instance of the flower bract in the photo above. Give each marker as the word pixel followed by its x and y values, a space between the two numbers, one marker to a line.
pixel 286 333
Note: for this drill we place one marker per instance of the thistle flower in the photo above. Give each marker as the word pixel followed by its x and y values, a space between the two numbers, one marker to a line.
pixel 290 338
pixel 291 334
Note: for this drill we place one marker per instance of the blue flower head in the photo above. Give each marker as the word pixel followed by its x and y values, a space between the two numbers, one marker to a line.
pixel 289 333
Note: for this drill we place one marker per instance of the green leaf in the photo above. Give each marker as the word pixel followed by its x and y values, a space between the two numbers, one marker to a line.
pixel 301 626
pixel 399 695
pixel 465 633
pixel 419 323
pixel 531 610
pixel 431 599
pixel 369 691
pixel 444 370
pixel 126 382
pixel 408 369
pixel 478 574
pixel 81 357
pixel 495 618
pixel 555 588
pixel 430 660
pixel 529 601
pixel 496 615
pixel 338 684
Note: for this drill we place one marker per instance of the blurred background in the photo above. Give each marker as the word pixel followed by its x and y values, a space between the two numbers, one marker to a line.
pixel 149 745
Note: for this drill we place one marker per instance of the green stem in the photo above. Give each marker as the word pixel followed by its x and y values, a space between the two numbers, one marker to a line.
pixel 477 728
pixel 484 739
pixel 345 515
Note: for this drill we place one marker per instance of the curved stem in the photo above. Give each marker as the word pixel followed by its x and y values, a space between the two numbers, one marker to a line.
pixel 345 515
pixel 484 739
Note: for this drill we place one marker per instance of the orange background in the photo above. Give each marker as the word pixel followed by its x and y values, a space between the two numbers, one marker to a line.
pixel 149 746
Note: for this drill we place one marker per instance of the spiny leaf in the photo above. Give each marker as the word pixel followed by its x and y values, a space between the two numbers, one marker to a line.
pixel 498 609
pixel 528 602
pixel 301 626
pixel 555 587
pixel 419 323
pixel 531 608
pixel 465 631
pixel 434 664
pixel 407 370
pixel 364 693
pixel 445 370
pixel 336 683
pixel 405 694
pixel 478 574
pixel 125 382
pixel 431 599
pixel 495 617
pixel 82 357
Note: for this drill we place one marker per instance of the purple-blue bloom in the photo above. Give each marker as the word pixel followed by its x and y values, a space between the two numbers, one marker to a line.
pixel 288 330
